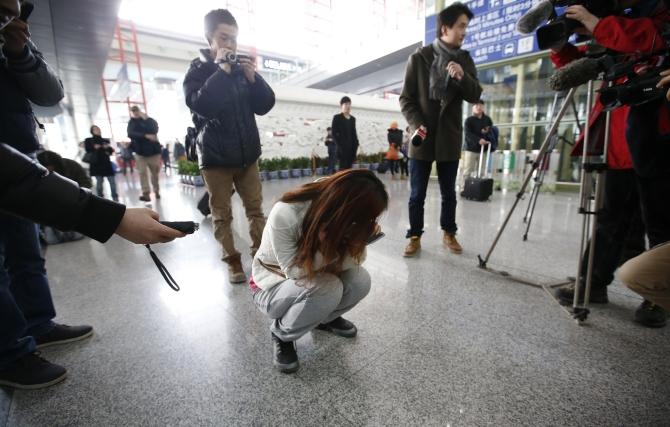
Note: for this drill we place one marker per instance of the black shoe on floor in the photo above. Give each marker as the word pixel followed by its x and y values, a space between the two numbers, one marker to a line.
pixel 31 372
pixel 651 315
pixel 339 326
pixel 145 198
pixel 62 334
pixel 285 357
pixel 566 295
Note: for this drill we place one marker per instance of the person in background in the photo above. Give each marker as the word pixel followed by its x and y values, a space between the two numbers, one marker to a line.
pixel 345 135
pixel 332 151
pixel 101 165
pixel 393 154
pixel 143 134
pixel 165 156
pixel 126 157
pixel 478 133
pixel 307 272
pixel 179 151
pixel 438 78
pixel 404 150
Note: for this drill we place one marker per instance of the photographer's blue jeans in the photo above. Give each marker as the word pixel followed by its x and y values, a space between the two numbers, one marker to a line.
pixel 26 307
pixel 419 171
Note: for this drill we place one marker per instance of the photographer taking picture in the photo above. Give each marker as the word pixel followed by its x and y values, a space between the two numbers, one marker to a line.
pixel 224 92
pixel 628 195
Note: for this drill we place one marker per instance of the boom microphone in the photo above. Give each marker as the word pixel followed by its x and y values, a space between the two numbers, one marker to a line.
pixel 576 74
pixel 536 16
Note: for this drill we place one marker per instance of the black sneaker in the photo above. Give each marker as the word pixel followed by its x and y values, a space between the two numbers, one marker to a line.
pixel 62 334
pixel 339 326
pixel 566 295
pixel 145 198
pixel 651 315
pixel 31 372
pixel 285 357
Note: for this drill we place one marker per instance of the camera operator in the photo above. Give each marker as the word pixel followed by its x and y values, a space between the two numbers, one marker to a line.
pixel 223 94
pixel 625 195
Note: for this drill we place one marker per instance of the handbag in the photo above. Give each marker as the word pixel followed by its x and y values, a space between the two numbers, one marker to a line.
pixel 88 157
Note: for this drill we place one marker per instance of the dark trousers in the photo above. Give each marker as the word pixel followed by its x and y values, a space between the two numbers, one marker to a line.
pixel 419 176
pixel 403 166
pixel 26 307
pixel 654 193
pixel 393 166
pixel 347 156
pixel 619 227
pixel 332 157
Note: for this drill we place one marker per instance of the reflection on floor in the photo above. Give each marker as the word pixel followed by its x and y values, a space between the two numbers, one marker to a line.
pixel 440 342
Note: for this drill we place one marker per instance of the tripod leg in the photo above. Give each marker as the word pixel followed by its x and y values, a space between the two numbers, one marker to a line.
pixel 533 201
pixel 543 150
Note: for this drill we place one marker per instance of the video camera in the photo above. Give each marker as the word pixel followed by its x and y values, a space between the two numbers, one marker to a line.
pixel 640 87
pixel 559 28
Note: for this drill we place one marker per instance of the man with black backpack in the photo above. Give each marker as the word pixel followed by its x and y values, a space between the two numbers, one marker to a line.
pixel 224 93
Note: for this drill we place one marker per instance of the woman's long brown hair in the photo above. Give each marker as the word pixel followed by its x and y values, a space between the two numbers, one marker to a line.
pixel 345 206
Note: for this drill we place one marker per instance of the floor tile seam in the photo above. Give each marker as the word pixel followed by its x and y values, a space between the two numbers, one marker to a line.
pixel 5 422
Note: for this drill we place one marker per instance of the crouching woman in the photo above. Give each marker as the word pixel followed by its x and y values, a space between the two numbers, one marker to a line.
pixel 307 272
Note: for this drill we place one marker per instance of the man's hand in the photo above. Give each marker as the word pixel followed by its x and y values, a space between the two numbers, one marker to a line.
pixel 220 56
pixel 140 225
pixel 483 141
pixel 248 66
pixel 665 81
pixel 455 70
pixel 96 146
pixel 581 14
pixel 16 36
pixel 151 137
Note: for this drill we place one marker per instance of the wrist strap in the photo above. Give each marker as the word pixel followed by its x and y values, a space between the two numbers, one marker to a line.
pixel 163 270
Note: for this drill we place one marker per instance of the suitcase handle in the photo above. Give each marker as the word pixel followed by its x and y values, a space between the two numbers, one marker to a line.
pixel 481 155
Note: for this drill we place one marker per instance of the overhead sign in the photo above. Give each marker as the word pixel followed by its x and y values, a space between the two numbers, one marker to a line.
pixel 492 35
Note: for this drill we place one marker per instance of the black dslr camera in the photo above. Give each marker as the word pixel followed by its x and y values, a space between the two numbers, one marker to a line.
pixel 234 58
pixel 559 29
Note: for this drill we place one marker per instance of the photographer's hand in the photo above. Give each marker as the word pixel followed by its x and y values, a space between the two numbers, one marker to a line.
pixel 248 66
pixel 581 14
pixel 140 225
pixel 665 81
pixel 220 56
pixel 16 36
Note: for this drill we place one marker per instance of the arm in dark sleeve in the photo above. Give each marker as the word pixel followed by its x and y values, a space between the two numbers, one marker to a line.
pixel 29 190
pixel 262 96
pixel 154 125
pixel 495 134
pixel 472 135
pixel 353 125
pixel 133 131
pixel 409 97
pixel 335 125
pixel 37 80
pixel 88 145
pixel 207 95
pixel 471 90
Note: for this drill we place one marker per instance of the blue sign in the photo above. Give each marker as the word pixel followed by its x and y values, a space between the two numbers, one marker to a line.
pixel 492 34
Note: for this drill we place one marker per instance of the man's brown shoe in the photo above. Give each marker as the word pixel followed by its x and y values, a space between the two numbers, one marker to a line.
pixel 413 247
pixel 451 242
pixel 235 270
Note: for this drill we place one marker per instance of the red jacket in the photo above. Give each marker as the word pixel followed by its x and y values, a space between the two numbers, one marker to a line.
pixel 623 35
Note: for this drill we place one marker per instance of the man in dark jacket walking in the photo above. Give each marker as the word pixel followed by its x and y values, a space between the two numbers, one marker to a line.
pixel 344 134
pixel 437 80
pixel 143 134
pixel 224 93
pixel 479 133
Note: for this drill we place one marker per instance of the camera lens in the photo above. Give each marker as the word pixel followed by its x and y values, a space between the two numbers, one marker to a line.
pixel 231 57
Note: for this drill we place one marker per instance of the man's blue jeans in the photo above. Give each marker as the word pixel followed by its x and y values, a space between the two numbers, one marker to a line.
pixel 26 307
pixel 419 171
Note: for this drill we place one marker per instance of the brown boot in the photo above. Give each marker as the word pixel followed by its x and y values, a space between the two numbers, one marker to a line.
pixel 413 246
pixel 451 242
pixel 235 270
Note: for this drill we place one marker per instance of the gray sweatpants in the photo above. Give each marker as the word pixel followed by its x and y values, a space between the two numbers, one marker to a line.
pixel 298 307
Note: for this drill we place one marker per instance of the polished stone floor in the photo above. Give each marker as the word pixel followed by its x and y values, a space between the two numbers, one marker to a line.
pixel 441 342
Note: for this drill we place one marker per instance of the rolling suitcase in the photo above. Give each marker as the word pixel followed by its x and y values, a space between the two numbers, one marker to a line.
pixel 478 188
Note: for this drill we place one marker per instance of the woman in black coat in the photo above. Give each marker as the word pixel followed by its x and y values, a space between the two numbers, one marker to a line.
pixel 100 164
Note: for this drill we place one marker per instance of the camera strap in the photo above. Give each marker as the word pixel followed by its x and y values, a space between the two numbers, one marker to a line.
pixel 163 270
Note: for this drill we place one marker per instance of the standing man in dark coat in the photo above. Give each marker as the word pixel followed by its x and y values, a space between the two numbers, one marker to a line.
pixel 143 134
pixel 101 166
pixel 437 80
pixel 224 93
pixel 344 134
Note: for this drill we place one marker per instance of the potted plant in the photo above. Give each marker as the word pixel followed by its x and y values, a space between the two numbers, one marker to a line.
pixel 272 168
pixel 190 173
pixel 283 164
pixel 263 169
pixel 305 166
pixel 363 161
pixel 294 165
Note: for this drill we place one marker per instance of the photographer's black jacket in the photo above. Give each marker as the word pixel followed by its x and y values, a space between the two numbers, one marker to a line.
pixel 25 78
pixel 27 189
pixel 223 107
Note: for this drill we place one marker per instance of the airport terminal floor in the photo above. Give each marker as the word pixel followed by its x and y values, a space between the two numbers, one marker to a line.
pixel 440 341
